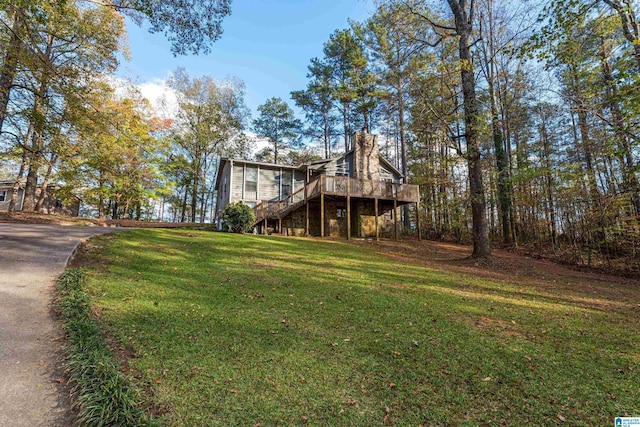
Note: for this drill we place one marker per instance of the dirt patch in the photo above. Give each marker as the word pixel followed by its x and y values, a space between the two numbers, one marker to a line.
pixel 504 263
pixel 186 234
pixel 498 325
pixel 263 264
pixel 589 289
pixel 87 253
pixel 36 218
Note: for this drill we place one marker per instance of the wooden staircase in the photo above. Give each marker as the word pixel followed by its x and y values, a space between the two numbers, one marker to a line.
pixel 340 186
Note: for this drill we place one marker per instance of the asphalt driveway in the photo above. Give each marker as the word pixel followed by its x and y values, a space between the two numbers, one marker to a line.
pixel 32 392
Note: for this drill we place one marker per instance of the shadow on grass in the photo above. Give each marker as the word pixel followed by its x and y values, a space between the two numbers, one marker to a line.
pixel 234 329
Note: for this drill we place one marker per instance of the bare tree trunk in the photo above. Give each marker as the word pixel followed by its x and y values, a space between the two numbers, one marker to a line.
pixel 326 136
pixel 101 195
pixel 403 148
pixel 546 146
pixel 463 15
pixel 10 63
pixel 629 179
pixel 33 161
pixel 503 184
pixel 30 189
pixel 492 201
pixel 183 215
pixel 194 198
pixel 114 212
pixel 583 127
pixel 23 164
pixel 629 24
pixel 207 202
pixel 45 183
pixel 508 134
pixel 37 145
pixel 195 185
pixel 125 211
pixel 345 124
pixel 205 196
pixel 275 145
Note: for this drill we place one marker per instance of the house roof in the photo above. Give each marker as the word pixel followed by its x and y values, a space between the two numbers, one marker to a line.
pixel 9 183
pixel 250 162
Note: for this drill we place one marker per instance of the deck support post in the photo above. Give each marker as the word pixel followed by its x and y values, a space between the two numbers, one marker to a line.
pixel 322 214
pixel 306 220
pixel 264 227
pixel 279 225
pixel 395 218
pixel 348 210
pixel 418 220
pixel 376 219
pixel 306 202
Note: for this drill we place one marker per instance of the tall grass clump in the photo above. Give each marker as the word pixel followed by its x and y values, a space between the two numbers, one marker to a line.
pixel 102 394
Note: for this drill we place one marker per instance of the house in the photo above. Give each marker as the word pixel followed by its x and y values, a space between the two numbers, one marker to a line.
pixel 51 204
pixel 354 195
pixel 6 191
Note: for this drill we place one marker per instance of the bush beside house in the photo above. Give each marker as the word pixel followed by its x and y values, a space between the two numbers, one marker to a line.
pixel 238 218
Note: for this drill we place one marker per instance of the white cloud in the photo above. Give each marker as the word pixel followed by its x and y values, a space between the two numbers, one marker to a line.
pixel 164 104
pixel 162 98
pixel 259 143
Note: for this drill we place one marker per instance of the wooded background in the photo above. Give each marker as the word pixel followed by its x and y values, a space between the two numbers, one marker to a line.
pixel 519 120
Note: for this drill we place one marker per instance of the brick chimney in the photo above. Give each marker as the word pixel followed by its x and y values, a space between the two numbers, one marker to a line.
pixel 366 163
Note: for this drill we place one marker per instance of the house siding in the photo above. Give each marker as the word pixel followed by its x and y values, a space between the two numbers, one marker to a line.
pixel 232 178
pixel 386 174
pixel 349 160
pixel 299 178
pixel 224 190
pixel 8 191
pixel 237 189
pixel 331 167
pixel 269 187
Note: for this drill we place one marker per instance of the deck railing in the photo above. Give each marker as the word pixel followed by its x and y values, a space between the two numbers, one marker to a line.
pixel 267 209
pixel 345 186
pixel 337 186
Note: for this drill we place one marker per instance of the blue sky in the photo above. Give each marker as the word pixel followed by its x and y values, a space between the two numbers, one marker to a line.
pixel 268 44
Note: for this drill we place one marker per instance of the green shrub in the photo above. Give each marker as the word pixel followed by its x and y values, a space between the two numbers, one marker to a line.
pixel 238 218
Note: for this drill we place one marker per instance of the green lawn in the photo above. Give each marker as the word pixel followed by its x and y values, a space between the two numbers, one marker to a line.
pixel 229 330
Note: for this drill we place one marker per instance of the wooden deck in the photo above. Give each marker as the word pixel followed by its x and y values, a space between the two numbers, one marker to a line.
pixel 339 186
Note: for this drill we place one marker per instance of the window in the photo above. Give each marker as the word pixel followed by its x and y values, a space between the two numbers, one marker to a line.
pixel 341 212
pixel 286 184
pixel 342 169
pixel 385 175
pixel 251 183
pixel 3 195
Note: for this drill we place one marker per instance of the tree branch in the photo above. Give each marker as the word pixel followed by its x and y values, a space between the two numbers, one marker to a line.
pixel 429 20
